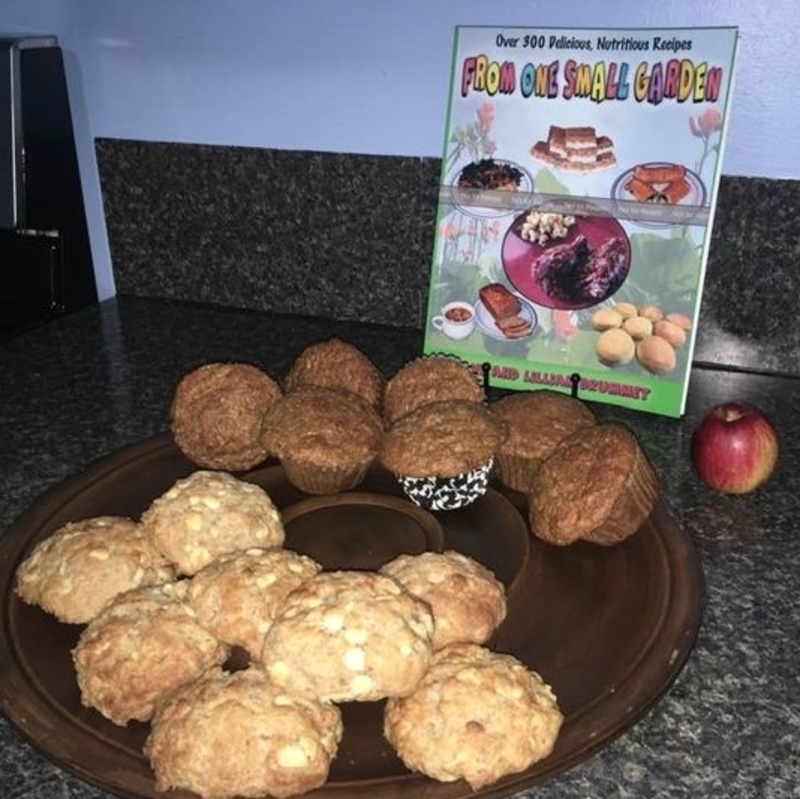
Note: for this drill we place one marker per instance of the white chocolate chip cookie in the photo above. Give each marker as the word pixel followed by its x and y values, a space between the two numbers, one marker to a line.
pixel 239 595
pixel 349 636
pixel 143 644
pixel 84 564
pixel 476 715
pixel 208 514
pixel 468 603
pixel 236 734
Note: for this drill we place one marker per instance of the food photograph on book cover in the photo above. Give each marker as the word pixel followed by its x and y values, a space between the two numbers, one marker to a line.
pixel 576 205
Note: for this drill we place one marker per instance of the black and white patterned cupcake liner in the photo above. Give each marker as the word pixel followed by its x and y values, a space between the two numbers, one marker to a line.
pixel 447 493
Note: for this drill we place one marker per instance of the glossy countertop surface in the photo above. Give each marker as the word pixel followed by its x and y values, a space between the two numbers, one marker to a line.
pixel 85 385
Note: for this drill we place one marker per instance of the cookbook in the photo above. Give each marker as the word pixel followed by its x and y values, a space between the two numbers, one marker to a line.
pixel 579 179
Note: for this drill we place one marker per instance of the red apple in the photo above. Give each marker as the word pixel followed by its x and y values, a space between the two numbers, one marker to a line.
pixel 734 448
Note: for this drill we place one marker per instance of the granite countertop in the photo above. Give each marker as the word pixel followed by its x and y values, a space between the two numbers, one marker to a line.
pixel 97 380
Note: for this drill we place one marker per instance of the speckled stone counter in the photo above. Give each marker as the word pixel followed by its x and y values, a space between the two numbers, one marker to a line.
pixel 90 383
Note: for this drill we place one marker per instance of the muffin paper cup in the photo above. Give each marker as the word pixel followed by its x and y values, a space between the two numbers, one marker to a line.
pixel 314 479
pixel 516 471
pixel 447 493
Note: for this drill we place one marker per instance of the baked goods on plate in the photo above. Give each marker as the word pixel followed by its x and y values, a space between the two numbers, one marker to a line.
pixel 442 452
pixel 467 601
pixel 337 364
pixel 216 413
pixel 236 735
pixel 208 514
pixel 141 646
pixel 429 379
pixel 80 567
pixel 349 636
pixel 537 421
pixel 238 595
pixel 325 438
pixel 476 715
pixel 597 486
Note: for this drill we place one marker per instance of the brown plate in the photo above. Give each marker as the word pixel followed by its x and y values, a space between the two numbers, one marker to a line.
pixel 609 628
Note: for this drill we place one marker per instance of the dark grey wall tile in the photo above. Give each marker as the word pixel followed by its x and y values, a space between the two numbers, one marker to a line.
pixel 351 237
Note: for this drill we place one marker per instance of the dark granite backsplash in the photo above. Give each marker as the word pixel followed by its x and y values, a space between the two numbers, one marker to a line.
pixel 351 236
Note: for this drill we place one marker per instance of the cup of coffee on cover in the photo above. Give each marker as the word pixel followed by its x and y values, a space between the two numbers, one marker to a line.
pixel 456 321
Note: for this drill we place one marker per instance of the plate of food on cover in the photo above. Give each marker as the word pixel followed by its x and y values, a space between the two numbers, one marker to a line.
pixel 481 187
pixel 659 193
pixel 566 260
pixel 503 314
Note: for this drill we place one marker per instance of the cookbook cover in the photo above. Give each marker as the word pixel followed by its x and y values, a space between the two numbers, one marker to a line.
pixel 579 178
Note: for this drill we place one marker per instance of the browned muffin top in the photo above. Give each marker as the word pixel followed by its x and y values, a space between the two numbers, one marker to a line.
pixel 425 380
pixel 216 414
pixel 442 439
pixel 337 364
pixel 598 485
pixel 538 420
pixel 325 426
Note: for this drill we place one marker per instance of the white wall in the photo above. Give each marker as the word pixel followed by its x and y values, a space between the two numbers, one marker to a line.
pixel 360 76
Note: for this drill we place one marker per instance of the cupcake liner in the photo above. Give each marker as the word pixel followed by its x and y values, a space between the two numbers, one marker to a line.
pixel 516 471
pixel 447 493
pixel 315 479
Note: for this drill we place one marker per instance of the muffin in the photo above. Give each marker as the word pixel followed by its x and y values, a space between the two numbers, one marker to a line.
pixel 325 438
pixel 597 486
pixel 537 421
pixel 442 452
pixel 74 572
pixel 349 636
pixel 476 715
pixel 142 645
pixel 209 514
pixel 337 364
pixel 239 595
pixel 430 379
pixel 216 413
pixel 229 735
pixel 467 601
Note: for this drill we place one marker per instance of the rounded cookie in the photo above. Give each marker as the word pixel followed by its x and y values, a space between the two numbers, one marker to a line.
pixel 476 715
pixel 349 636
pixel 216 412
pixel 467 601
pixel 239 595
pixel 236 734
pixel 75 571
pixel 142 645
pixel 208 514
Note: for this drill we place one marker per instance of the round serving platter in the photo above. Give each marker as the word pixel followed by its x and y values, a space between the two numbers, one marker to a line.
pixel 608 628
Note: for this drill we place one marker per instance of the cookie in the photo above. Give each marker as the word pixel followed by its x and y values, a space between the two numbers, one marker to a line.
pixel 467 601
pixel 349 636
pixel 476 715
pixel 216 413
pixel 239 595
pixel 75 571
pixel 236 735
pixel 209 514
pixel 142 645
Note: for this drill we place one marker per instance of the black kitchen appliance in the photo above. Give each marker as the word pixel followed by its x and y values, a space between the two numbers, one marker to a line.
pixel 45 255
